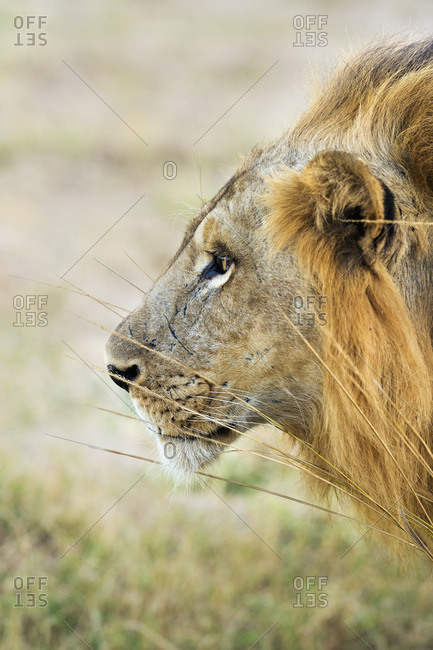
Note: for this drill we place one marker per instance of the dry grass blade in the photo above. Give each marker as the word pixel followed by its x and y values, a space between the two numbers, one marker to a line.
pixel 119 275
pixel 122 415
pixel 343 483
pixel 282 458
pixel 421 543
pixel 399 222
pixel 227 392
pixel 139 267
pixel 287 460
pixel 78 291
pixel 241 484
pixel 361 496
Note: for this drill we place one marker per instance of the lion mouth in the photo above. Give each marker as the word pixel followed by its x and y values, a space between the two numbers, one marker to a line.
pixel 218 434
pixel 221 432
pixel 183 455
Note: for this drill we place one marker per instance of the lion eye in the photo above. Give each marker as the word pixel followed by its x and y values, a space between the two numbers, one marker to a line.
pixel 220 265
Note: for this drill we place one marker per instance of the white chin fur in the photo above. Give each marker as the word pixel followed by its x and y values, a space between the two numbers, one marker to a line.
pixel 181 459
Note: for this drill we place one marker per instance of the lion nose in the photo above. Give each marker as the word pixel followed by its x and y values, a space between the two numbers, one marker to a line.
pixel 130 374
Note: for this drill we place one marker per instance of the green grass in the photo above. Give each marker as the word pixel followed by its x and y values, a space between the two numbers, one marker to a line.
pixel 188 572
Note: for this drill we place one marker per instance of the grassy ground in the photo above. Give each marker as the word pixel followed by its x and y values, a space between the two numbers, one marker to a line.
pixel 160 569
pixel 185 571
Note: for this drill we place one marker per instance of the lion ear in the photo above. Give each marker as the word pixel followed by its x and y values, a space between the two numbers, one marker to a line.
pixel 336 199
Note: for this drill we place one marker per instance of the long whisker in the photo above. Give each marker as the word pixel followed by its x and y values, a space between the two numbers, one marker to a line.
pixel 247 485
pixel 267 418
pixel 123 415
pixel 295 463
pixel 285 456
pixel 139 267
pixel 120 275
pixel 78 291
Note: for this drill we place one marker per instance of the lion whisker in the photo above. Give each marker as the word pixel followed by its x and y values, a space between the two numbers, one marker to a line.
pixel 139 267
pixel 254 487
pixel 281 458
pixel 120 275
pixel 78 291
pixel 341 474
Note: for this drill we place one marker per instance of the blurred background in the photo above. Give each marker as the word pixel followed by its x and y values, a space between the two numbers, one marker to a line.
pixel 98 550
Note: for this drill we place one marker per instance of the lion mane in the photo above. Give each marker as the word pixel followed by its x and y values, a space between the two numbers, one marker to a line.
pixel 376 425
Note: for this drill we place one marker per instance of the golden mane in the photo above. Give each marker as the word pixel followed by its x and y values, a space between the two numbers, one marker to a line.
pixel 379 104
pixel 375 428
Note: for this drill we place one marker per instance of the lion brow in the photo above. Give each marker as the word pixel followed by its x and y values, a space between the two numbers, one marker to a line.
pixel 203 214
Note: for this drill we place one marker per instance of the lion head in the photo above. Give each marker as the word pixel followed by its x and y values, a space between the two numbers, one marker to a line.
pixel 204 354
pixel 299 295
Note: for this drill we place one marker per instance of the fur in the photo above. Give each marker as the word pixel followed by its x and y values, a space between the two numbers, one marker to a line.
pixel 338 207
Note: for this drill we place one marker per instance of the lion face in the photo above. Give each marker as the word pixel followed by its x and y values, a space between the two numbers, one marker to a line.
pixel 207 354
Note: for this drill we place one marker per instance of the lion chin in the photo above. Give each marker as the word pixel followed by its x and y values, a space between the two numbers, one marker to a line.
pixel 182 458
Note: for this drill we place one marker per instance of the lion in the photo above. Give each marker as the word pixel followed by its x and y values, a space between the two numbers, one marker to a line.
pixel 300 296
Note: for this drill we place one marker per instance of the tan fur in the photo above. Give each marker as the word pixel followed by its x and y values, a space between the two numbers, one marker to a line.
pixel 377 414
pixel 322 212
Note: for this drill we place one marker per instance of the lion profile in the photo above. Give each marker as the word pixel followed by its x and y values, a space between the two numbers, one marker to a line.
pixel 339 207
